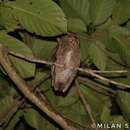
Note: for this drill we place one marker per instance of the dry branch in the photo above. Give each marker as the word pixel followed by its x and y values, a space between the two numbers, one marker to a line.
pixel 24 88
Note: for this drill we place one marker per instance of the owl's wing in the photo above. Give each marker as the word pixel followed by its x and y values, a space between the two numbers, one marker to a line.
pixel 69 56
pixel 69 81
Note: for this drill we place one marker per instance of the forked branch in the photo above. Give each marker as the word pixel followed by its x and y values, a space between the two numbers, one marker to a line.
pixel 43 105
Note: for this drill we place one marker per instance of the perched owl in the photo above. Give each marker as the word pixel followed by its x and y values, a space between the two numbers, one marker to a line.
pixel 67 55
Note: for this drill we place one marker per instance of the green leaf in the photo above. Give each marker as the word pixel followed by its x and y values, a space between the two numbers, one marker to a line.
pixel 118 120
pixel 25 69
pixel 76 25
pixel 31 117
pixel 15 119
pixel 7 21
pixel 84 48
pixel 105 115
pixel 112 64
pixel 69 99
pixel 123 100
pixel 122 47
pixel 4 87
pixel 117 30
pixel 5 103
pixel 37 121
pixel 96 52
pixel 120 42
pixel 100 10
pixel 128 25
pixel 93 98
pixel 76 113
pixel 105 25
pixel 76 9
pixel 44 49
pixel 43 17
pixel 68 104
pixel 47 89
pixel 45 124
pixel 60 101
pixel 121 13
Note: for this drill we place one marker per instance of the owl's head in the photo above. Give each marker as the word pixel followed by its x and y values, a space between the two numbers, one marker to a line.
pixel 70 39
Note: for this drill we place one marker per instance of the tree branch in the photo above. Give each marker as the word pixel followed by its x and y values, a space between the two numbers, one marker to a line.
pixel 91 72
pixel 35 60
pixel 24 88
pixel 109 72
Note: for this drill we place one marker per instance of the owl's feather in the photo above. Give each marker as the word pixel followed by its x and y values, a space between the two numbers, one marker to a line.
pixel 68 55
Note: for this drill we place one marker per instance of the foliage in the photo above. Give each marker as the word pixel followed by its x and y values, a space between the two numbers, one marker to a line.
pixel 31 27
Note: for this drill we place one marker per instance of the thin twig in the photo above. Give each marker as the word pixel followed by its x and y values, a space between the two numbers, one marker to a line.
pixel 109 71
pixel 32 59
pixel 88 71
pixel 85 103
pixel 36 60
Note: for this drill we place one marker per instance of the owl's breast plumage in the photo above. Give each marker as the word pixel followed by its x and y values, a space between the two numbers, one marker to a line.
pixel 68 56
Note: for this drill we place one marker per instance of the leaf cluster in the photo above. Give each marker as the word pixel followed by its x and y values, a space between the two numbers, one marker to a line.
pixel 31 27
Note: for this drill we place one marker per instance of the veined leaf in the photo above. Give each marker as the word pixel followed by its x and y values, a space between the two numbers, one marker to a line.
pixel 14 120
pixel 84 49
pixel 31 117
pixel 94 98
pixel 42 17
pixel 112 64
pixel 76 25
pixel 121 12
pixel 123 100
pixel 122 47
pixel 118 119
pixel 43 49
pixel 76 9
pixel 5 103
pixel 25 69
pixel 128 25
pixel 7 20
pixel 105 116
pixel 4 87
pixel 105 25
pixel 96 52
pixel 68 100
pixel 100 10
pixel 71 111
pixel 44 124
pixel 8 104
pixel 117 30
pixel 120 42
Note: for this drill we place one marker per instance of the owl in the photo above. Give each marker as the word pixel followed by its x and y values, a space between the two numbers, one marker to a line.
pixel 67 55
